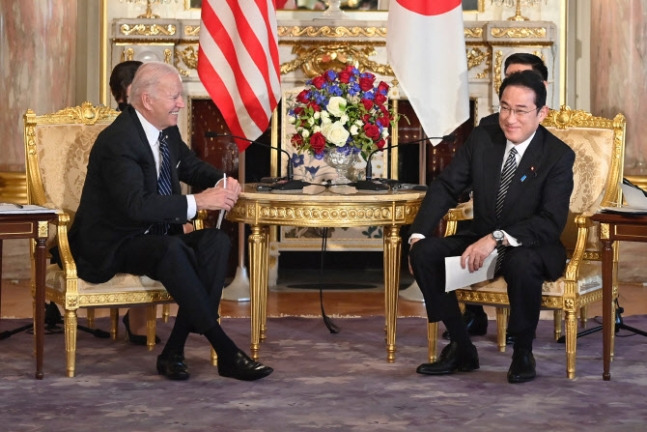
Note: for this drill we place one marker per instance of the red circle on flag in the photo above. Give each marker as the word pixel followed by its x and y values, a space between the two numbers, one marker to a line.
pixel 429 7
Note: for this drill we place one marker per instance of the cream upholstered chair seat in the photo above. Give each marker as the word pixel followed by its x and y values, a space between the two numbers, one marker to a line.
pixel 599 148
pixel 57 148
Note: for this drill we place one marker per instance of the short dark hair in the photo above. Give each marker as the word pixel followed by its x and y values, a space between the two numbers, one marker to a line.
pixel 531 60
pixel 121 77
pixel 529 79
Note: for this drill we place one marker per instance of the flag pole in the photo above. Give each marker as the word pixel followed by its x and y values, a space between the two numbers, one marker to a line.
pixel 238 289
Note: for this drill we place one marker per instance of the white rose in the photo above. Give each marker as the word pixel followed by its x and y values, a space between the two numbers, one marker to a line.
pixel 359 123
pixel 311 121
pixel 385 133
pixel 354 130
pixel 305 133
pixel 335 133
pixel 336 106
pixel 344 119
pixel 317 114
pixel 292 120
pixel 316 129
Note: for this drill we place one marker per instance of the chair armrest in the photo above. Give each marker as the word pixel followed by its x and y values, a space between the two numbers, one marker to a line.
pixel 462 212
pixel 69 266
pixel 583 223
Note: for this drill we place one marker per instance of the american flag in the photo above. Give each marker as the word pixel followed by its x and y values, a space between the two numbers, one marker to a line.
pixel 238 63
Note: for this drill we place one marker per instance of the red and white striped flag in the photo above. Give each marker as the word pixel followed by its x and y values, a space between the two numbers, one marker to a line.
pixel 238 63
pixel 426 50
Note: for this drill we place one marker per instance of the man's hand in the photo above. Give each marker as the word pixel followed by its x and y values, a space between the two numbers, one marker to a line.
pixel 217 198
pixel 476 253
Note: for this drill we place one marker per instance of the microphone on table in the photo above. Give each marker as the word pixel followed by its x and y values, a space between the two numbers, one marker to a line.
pixel 370 184
pixel 280 184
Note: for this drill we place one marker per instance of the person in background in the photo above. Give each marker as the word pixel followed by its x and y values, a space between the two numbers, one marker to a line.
pixel 521 176
pixel 474 315
pixel 131 215
pixel 120 78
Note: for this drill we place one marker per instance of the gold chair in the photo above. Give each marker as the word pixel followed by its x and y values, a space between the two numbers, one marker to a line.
pixel 57 147
pixel 599 145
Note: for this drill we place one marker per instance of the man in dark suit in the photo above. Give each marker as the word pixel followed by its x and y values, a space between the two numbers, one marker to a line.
pixel 128 222
pixel 523 221
pixel 474 316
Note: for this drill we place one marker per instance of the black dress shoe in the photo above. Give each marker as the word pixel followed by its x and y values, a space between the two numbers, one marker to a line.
pixel 243 368
pixel 172 366
pixel 522 368
pixel 451 360
pixel 133 338
pixel 476 324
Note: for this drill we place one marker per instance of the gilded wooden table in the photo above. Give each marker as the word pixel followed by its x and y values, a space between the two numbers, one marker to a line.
pixel 318 206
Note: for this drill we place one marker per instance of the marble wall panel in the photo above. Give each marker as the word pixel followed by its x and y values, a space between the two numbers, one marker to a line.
pixel 37 66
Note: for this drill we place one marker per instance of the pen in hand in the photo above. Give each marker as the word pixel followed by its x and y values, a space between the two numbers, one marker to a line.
pixel 222 211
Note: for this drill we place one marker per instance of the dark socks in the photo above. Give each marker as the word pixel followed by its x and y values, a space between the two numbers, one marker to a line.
pixel 458 331
pixel 176 341
pixel 221 343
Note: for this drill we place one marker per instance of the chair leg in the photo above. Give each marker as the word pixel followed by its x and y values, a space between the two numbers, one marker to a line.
pixel 501 326
pixel 166 312
pixel 432 340
pixel 114 323
pixel 90 318
pixel 151 318
pixel 584 311
pixel 570 325
pixel 70 322
pixel 557 323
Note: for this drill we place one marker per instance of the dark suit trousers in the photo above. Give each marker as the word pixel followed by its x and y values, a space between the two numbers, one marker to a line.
pixel 522 270
pixel 192 267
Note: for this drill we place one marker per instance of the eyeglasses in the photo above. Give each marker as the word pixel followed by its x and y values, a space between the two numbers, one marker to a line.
pixel 506 111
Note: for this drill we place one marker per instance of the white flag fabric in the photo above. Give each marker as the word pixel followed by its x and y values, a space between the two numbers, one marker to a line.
pixel 238 63
pixel 426 50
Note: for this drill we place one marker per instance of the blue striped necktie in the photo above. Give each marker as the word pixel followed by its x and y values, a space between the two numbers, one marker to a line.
pixel 163 182
pixel 507 173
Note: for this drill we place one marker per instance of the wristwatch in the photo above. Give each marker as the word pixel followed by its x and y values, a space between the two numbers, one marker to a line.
pixel 498 236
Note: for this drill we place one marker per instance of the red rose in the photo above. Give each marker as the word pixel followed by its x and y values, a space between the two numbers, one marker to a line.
pixel 383 121
pixel 314 106
pixel 368 104
pixel 303 97
pixel 344 76
pixel 372 131
pixel 298 110
pixel 317 142
pixel 380 98
pixel 366 118
pixel 380 144
pixel 366 82
pixel 297 141
pixel 319 81
pixel 382 87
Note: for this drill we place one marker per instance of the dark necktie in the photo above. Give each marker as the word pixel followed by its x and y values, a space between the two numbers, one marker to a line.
pixel 507 173
pixel 163 182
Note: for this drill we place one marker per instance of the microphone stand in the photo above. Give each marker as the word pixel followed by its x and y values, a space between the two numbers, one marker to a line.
pixel 287 183
pixel 382 184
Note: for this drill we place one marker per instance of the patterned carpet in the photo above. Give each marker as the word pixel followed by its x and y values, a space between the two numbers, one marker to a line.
pixel 322 382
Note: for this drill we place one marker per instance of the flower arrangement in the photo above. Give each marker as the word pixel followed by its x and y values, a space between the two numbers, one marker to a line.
pixel 344 111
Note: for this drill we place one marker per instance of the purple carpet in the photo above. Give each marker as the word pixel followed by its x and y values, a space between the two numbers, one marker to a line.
pixel 322 382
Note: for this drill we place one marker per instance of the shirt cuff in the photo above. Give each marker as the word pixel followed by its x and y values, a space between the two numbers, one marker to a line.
pixel 415 236
pixel 191 207
pixel 513 242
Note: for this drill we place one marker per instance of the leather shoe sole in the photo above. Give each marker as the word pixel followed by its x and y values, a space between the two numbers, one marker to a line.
pixel 522 368
pixel 243 368
pixel 173 367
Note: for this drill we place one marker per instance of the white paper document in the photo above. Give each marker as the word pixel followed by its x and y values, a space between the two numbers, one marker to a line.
pixel 635 198
pixel 10 208
pixel 458 277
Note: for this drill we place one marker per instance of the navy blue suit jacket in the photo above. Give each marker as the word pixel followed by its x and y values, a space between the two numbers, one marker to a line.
pixel 536 206
pixel 120 199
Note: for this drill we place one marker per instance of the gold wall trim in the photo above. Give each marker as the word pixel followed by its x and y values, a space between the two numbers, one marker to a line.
pixel 331 31
pixel 148 30
pixel 519 32
pixel 316 59
pixel 473 33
